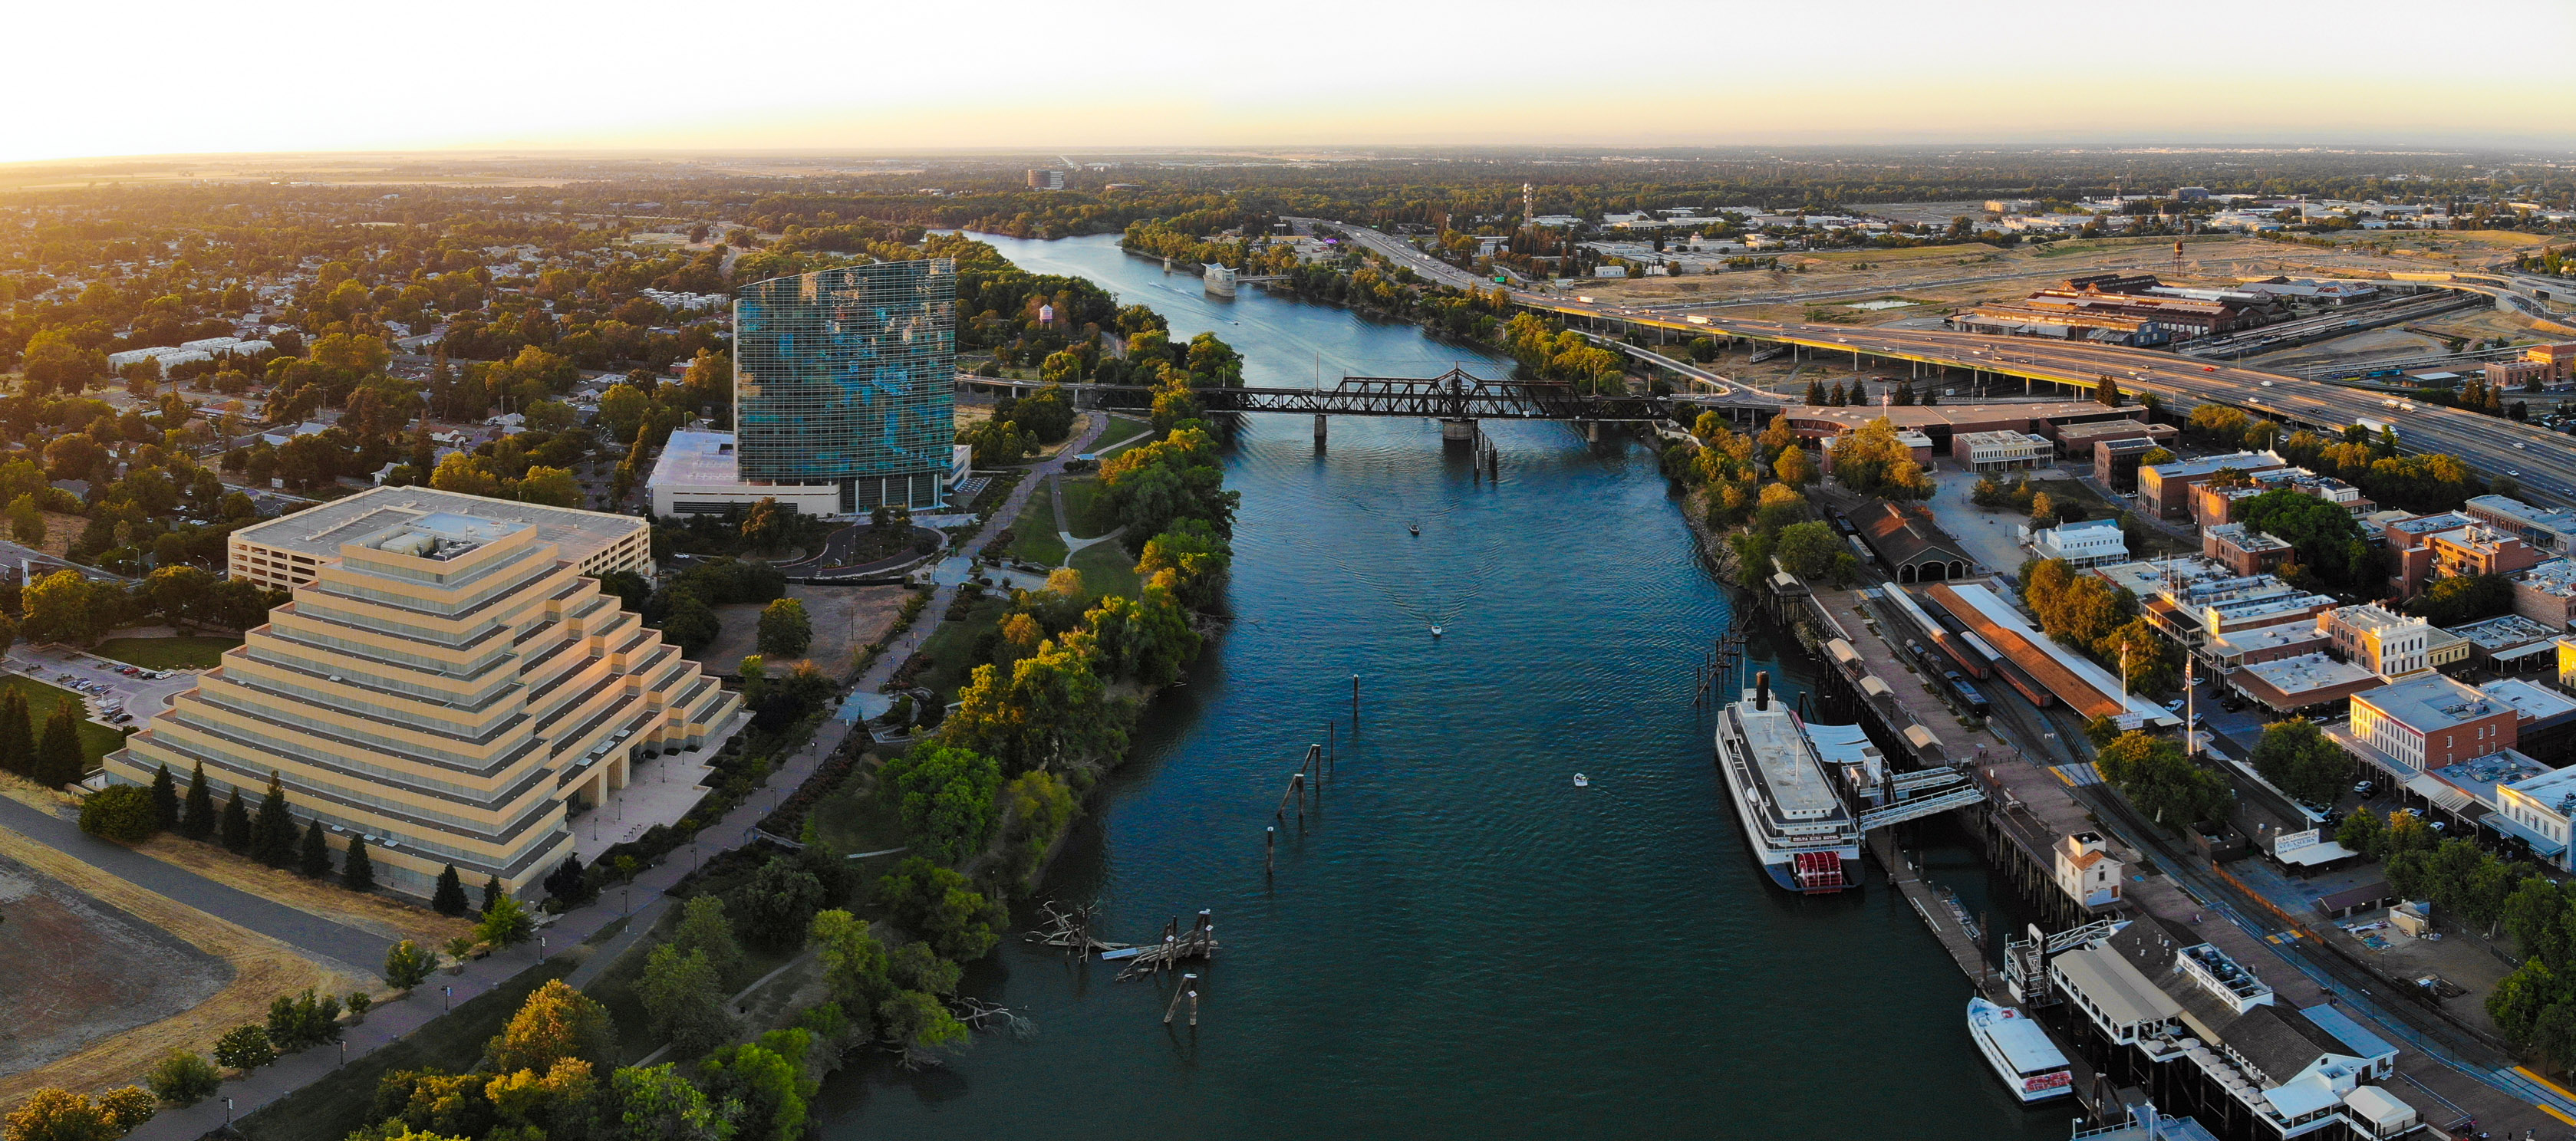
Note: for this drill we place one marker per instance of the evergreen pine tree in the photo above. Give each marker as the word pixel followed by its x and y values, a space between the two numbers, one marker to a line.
pixel 1837 397
pixel 17 736
pixel 59 760
pixel 165 799
pixel 357 872
pixel 272 838
pixel 236 826
pixel 1815 394
pixel 314 857
pixel 449 899
pixel 198 823
pixel 491 894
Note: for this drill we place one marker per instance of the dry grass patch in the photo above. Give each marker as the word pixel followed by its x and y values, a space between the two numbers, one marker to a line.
pixel 368 912
pixel 262 969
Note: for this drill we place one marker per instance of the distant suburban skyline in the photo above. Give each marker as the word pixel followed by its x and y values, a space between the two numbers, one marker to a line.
pixel 295 75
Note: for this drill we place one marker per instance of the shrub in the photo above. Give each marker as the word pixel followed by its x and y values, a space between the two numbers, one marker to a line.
pixel 123 813
pixel 184 1077
pixel 408 964
pixel 244 1047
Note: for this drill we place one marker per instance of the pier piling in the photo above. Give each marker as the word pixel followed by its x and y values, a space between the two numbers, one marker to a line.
pixel 1355 705
pixel 1270 850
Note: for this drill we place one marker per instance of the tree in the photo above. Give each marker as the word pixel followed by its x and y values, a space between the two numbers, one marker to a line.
pixel 2301 761
pixel 942 908
pixel 123 813
pixel 183 1077
pixel 550 486
pixel 60 759
pixel 657 1104
pixel 272 835
pixel 302 1020
pixel 785 631
pixel 2461 599
pixel 2108 391
pixel 778 904
pixel 1809 550
pixel 505 923
pixel 165 799
pixel 2519 998
pixel 766 1087
pixel 703 927
pixel 766 526
pixel 236 823
pixel 2328 543
pixel 1794 467
pixel 408 964
pixel 556 1022
pixel 920 1026
pixel 2155 776
pixel 492 893
pixel 18 737
pixel 854 962
pixel 449 897
pixel 357 872
pixel 66 607
pixel 197 818
pixel 1872 461
pixel 946 799
pixel 1815 394
pixel 244 1047
pixel 55 1114
pixel 313 855
pixel 685 1000
pixel 556 1101
pixel 2362 832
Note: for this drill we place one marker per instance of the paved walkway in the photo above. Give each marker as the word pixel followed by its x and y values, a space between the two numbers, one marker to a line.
pixel 956 568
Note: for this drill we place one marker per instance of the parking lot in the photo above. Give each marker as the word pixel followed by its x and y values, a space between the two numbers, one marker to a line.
pixel 105 687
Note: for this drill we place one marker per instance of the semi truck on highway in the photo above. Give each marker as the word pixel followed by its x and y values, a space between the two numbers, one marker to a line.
pixel 2375 426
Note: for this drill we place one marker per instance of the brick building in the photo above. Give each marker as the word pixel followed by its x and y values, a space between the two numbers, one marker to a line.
pixel 2432 721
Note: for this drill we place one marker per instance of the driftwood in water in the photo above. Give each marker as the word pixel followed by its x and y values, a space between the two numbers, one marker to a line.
pixel 1069 928
pixel 1199 942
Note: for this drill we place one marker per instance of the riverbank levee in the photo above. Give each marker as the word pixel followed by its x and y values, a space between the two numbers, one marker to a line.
pixel 1460 941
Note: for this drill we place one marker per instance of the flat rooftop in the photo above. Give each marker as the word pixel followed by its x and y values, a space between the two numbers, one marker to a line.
pixel 2531 702
pixel 698 459
pixel 2503 633
pixel 2430 702
pixel 2524 514
pixel 2308 673
pixel 2242 461
pixel 320 530
pixel 2265 638
pixel 1951 416
pixel 2479 776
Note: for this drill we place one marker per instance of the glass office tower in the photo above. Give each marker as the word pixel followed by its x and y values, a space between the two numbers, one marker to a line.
pixel 848 377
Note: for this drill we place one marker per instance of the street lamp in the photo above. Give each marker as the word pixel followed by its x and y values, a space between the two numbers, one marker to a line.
pixel 447 998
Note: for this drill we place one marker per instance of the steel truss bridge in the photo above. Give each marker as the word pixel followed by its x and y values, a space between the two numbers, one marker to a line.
pixel 1453 395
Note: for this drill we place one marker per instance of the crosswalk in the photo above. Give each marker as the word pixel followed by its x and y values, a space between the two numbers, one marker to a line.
pixel 2078 775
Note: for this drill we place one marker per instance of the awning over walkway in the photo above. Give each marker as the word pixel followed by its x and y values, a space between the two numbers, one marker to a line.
pixel 2443 795
pixel 2540 845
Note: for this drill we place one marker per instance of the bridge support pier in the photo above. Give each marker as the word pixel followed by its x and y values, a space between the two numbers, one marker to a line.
pixel 1592 430
pixel 1320 420
pixel 1458 431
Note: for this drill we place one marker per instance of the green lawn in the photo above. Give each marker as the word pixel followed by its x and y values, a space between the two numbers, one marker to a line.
pixel 851 821
pixel 1120 431
pixel 96 740
pixel 1107 569
pixel 185 653
pixel 1034 535
pixel 952 646
pixel 330 1109
pixel 1082 502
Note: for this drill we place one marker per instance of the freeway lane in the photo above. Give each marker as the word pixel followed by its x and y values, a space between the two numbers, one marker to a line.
pixel 2544 465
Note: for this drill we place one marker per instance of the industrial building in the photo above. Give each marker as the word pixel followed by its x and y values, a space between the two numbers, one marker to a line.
pixel 291 550
pixel 2121 309
pixel 449 686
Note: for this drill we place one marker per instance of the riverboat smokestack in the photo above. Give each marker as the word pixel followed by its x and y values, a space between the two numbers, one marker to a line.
pixel 1762 691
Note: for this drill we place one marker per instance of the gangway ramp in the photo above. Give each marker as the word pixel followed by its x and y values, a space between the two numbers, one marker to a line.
pixel 1923 806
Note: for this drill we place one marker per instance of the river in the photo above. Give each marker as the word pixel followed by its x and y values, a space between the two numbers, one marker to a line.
pixel 1461 943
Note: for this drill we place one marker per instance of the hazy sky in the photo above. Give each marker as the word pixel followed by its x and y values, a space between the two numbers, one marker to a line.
pixel 157 77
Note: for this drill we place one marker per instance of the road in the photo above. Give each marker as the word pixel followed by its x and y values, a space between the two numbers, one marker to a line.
pixel 2534 458
pixel 2539 462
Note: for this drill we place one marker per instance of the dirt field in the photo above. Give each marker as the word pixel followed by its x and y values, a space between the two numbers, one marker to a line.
pixel 127 972
pixel 61 531
pixel 377 914
pixel 112 1042
pixel 845 618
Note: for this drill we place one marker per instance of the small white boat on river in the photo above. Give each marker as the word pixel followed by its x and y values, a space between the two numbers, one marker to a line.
pixel 1581 781
pixel 2030 1065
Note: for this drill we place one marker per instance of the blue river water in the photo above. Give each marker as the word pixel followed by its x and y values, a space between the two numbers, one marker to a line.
pixel 1460 943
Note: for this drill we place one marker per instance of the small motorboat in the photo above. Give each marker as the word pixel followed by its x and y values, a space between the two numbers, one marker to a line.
pixel 1416 528
pixel 1582 781
pixel 1435 631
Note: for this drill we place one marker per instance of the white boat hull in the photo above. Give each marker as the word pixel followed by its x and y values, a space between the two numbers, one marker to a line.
pixel 2030 1087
